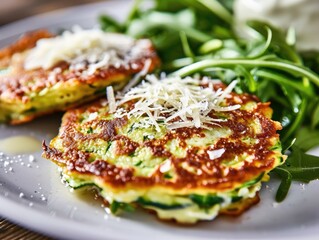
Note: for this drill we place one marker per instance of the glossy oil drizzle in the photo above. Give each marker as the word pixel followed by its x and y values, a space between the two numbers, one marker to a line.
pixel 19 145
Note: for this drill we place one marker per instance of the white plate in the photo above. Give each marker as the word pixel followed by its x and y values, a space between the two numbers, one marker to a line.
pixel 34 196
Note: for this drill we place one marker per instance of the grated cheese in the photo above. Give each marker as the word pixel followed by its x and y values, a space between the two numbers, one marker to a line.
pixel 137 76
pixel 213 154
pixel 92 116
pixel 165 167
pixel 111 99
pixel 85 50
pixel 175 102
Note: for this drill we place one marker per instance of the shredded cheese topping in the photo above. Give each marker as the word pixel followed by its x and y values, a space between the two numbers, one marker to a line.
pixel 139 75
pixel 175 102
pixel 165 167
pixel 87 50
pixel 111 99
pixel 214 154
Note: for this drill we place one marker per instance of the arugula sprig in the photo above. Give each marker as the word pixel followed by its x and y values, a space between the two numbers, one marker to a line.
pixel 164 22
pixel 198 37
pixel 292 87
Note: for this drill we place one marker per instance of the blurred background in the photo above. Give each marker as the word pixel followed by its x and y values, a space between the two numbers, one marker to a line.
pixel 12 10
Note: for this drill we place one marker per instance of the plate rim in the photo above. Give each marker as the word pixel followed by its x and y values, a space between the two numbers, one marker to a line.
pixel 82 229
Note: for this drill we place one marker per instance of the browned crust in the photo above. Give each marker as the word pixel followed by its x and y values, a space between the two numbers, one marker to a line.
pixel 212 174
pixel 18 86
pixel 240 207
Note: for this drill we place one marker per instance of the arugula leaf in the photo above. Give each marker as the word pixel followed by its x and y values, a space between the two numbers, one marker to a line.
pixel 109 24
pixel 248 79
pixel 185 44
pixel 315 116
pixel 282 80
pixel 299 167
pixel 299 159
pixel 218 9
pixel 287 67
pixel 278 44
pixel 260 49
pixel 307 138
pixel 285 184
pixel 296 123
pixel 311 60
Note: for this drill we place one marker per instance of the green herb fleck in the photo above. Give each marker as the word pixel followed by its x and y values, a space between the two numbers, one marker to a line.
pixel 90 130
pixel 207 201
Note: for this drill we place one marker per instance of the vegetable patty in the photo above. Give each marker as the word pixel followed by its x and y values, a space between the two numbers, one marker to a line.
pixel 42 73
pixel 142 153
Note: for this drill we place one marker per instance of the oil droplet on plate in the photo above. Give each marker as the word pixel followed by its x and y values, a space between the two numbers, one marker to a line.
pixel 19 144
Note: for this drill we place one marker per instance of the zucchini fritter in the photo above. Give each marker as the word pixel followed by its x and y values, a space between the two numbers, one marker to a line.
pixel 42 73
pixel 142 153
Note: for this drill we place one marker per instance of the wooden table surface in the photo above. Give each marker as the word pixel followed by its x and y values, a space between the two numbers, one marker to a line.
pixel 12 10
pixel 11 231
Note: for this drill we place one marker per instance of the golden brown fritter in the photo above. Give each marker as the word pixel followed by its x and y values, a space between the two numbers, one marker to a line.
pixel 170 171
pixel 28 93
